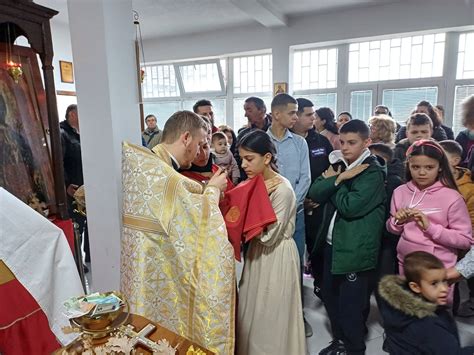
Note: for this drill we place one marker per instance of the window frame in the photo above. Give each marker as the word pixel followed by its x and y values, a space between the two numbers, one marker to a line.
pixel 339 74
pixel 379 86
pixel 179 78
pixel 401 37
pixel 227 93
pixel 295 49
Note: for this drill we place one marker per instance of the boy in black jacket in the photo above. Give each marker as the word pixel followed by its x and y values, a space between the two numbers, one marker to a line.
pixel 414 312
pixel 388 263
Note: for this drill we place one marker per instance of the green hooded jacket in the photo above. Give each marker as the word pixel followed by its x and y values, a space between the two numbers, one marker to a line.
pixel 360 220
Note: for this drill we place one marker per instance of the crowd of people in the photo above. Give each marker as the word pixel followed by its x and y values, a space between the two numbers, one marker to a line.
pixel 364 208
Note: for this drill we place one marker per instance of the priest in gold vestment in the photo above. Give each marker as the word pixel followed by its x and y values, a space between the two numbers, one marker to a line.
pixel 177 266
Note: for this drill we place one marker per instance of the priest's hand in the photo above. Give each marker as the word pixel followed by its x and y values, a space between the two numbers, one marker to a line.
pixel 219 180
pixel 71 189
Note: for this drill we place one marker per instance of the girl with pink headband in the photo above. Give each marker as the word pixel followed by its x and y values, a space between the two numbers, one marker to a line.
pixel 428 212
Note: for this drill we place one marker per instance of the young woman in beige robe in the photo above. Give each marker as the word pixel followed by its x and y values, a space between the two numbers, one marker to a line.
pixel 270 317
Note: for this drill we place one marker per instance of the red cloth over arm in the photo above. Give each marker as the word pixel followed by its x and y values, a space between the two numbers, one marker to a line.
pixel 247 211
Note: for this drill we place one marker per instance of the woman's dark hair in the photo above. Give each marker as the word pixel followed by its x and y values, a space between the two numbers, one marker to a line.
pixel 431 112
pixel 259 142
pixel 347 113
pixel 327 115
pixel 432 149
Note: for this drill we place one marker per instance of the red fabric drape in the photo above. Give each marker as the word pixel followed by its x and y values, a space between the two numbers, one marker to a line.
pixel 247 212
pixel 66 226
pixel 24 327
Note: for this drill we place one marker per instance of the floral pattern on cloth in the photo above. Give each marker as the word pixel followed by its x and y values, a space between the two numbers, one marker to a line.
pixel 177 266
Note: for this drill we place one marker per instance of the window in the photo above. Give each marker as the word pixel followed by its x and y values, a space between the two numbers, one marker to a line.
pixel 361 104
pixel 315 69
pixel 465 68
pixel 322 100
pixel 402 102
pixel 239 114
pixel 461 93
pixel 161 110
pixel 397 58
pixel 164 109
pixel 201 77
pixel 218 106
pixel 253 74
pixel 160 81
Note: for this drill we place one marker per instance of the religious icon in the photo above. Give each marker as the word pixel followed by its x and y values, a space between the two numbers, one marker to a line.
pixel 280 88
pixel 67 72
pixel 25 160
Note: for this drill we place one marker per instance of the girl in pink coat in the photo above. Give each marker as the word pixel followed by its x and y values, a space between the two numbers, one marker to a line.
pixel 428 211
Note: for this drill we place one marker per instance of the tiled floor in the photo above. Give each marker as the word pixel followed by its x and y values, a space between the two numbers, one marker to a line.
pixel 316 315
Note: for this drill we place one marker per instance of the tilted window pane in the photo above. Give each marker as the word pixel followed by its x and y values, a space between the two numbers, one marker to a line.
pixel 200 77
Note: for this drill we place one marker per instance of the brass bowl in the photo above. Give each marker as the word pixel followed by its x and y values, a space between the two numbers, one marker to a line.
pixel 103 324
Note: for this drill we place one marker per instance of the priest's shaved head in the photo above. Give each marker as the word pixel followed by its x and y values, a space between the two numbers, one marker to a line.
pixel 181 122
pixel 183 136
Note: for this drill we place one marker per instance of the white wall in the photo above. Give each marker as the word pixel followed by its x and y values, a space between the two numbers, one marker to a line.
pixel 62 51
pixel 108 106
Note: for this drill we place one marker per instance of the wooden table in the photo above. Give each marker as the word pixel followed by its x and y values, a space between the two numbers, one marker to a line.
pixel 159 333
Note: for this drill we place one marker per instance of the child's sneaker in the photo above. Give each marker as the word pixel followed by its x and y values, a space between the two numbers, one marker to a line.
pixel 336 347
pixel 466 309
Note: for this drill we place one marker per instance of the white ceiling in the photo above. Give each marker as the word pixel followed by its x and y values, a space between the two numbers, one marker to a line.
pixel 162 18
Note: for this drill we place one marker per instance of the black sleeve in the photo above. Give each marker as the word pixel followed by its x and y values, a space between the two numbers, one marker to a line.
pixel 329 147
pixel 438 340
pixel 401 134
pixel 462 139
pixel 399 153
pixel 64 150
pixel 439 134
pixel 449 132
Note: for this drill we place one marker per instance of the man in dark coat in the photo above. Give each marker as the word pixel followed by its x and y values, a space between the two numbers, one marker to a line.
pixel 72 161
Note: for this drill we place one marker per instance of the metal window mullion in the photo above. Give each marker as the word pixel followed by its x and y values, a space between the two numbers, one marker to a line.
pixel 342 79
pixel 221 76
pixel 179 79
pixel 229 107
pixel 451 47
